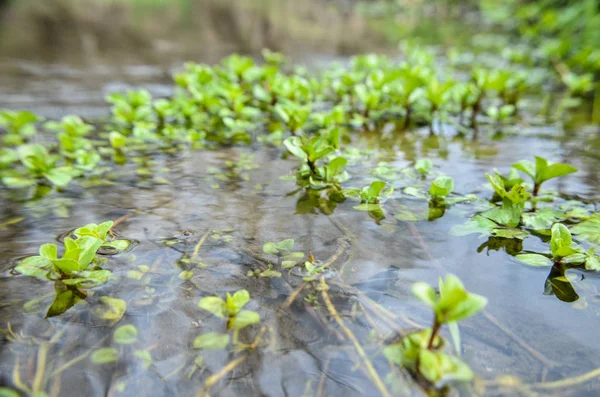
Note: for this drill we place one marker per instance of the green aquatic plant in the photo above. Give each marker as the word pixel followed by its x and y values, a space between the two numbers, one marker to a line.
pixel 563 251
pixel 102 232
pixel 283 250
pixel 19 126
pixel 371 197
pixel 501 221
pixel 39 167
pixel 315 149
pixel 71 267
pixel 440 188
pixel 230 309
pixel 72 272
pixel 543 170
pixel 422 353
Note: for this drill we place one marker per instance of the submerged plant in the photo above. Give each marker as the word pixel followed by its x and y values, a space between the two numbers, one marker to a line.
pixel 284 251
pixel 230 309
pixel 422 353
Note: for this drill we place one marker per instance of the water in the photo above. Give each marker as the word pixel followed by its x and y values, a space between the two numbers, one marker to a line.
pixel 302 350
pixel 523 332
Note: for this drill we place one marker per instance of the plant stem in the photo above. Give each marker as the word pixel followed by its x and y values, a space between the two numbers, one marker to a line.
pixel 359 349
pixel 213 379
pixel 434 331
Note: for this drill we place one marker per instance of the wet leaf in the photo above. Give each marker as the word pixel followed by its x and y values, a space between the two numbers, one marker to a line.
pixel 534 260
pixel 442 186
pixel 211 341
pixel 125 334
pixel 34 266
pixel 111 309
pixel 105 356
pixel 237 301
pixel 214 305
pixel 243 319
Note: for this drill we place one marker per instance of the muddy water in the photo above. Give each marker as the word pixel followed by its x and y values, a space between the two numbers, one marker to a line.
pixel 523 332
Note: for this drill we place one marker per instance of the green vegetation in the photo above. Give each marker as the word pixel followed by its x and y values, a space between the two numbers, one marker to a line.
pixel 422 353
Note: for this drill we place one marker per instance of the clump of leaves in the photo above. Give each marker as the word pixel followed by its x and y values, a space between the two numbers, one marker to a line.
pixel 71 271
pixel 563 251
pixel 230 309
pixel 310 151
pixel 543 170
pixel 102 232
pixel 501 221
pixel 40 166
pixel 371 198
pixel 286 258
pixel 19 126
pixel 422 353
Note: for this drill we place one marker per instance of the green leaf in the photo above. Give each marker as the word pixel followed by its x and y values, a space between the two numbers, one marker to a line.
pixel 211 341
pixel 236 302
pixel 67 266
pixel 243 319
pixel 440 368
pixel 270 248
pixel 214 305
pixel 119 245
pixel 285 245
pixel 507 215
pixel 34 266
pixel 588 230
pixel 527 167
pixel 561 241
pixel 535 260
pixel 89 246
pixel 49 251
pixel 455 302
pixel 293 145
pixel 423 166
pixel 125 334
pixel 106 355
pixel 111 309
pixel 145 356
pixel 425 293
pixel 375 188
pixel 336 166
pixel 592 263
pixel 510 233
pixel 442 186
pixel 554 171
pixel 58 177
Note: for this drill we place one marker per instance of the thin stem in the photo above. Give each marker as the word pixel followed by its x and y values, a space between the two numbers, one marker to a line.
pixel 434 331
pixel 359 349
pixel 214 379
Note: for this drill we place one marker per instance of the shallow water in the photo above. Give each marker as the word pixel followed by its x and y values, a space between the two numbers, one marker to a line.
pixel 523 333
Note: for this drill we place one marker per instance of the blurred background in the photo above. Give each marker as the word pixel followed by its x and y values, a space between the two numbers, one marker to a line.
pixel 165 31
pixel 63 56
